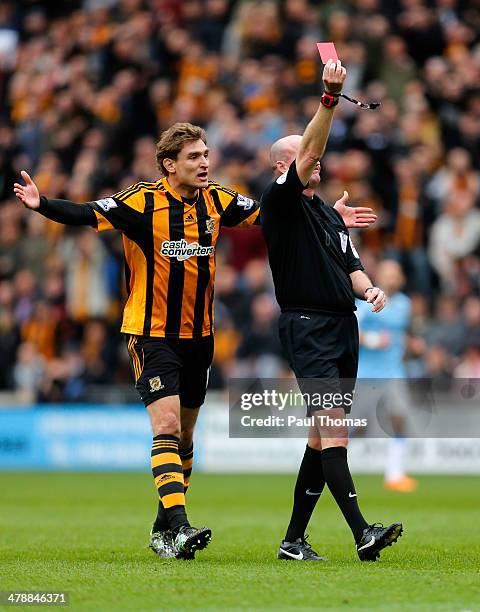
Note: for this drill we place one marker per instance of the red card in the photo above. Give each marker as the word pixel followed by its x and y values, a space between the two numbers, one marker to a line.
pixel 327 51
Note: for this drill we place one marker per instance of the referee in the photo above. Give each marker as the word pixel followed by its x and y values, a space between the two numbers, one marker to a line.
pixel 317 275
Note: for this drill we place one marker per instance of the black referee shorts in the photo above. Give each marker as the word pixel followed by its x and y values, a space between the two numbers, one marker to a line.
pixel 163 367
pixel 321 347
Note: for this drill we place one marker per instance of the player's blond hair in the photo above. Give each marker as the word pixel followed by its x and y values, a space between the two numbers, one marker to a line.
pixel 172 140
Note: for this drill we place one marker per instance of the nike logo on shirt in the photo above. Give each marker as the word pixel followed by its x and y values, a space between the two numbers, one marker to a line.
pixel 308 492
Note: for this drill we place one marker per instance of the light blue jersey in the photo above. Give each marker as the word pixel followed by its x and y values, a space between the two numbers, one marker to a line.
pixel 394 320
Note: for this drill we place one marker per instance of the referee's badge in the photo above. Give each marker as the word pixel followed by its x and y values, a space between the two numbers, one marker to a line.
pixel 343 241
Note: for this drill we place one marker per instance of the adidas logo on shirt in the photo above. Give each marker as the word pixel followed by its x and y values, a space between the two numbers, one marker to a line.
pixel 189 218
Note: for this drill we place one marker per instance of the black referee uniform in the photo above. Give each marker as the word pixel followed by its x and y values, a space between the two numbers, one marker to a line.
pixel 311 256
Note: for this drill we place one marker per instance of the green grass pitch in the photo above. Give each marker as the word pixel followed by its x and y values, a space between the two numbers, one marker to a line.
pixel 87 534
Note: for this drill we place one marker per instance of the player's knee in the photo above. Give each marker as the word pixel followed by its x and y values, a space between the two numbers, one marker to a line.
pixel 166 422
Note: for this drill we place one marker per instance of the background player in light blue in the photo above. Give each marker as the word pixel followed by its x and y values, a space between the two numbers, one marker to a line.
pixel 382 346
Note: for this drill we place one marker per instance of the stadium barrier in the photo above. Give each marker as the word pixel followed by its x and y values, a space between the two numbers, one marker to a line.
pixel 117 437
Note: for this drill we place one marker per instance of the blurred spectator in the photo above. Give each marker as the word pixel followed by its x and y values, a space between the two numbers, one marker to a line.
pixel 25 289
pixel 97 353
pixel 408 230
pixel 260 353
pixel 39 330
pixel 87 290
pixel 257 277
pixel 397 68
pixel 447 329
pixel 232 296
pixel 469 365
pixel 10 248
pixel 28 371
pixel 227 339
pixel 455 234
pixel 471 322
pixel 64 379
pixel 457 176
pixel 35 246
pixel 438 367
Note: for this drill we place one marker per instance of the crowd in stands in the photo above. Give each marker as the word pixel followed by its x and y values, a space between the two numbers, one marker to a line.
pixel 86 87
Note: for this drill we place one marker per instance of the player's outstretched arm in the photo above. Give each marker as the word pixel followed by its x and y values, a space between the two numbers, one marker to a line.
pixel 358 217
pixel 61 211
pixel 315 138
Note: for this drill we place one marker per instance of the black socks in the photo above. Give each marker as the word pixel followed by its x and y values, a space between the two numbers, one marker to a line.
pixel 309 486
pixel 339 480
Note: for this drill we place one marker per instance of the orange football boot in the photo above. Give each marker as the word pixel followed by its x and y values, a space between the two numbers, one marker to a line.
pixel 404 484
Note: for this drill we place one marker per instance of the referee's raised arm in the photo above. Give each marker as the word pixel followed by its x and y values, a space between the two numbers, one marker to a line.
pixel 315 137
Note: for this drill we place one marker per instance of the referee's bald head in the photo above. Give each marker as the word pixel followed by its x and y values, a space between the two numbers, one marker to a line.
pixel 285 149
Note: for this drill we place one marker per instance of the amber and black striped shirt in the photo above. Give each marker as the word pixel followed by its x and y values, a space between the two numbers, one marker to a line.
pixel 169 246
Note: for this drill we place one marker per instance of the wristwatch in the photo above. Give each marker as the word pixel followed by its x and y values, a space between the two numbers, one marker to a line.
pixel 329 100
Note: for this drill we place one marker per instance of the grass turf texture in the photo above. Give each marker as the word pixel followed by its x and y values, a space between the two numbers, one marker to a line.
pixel 87 534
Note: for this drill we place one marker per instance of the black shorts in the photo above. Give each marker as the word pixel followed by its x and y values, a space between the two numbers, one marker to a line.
pixel 321 347
pixel 163 367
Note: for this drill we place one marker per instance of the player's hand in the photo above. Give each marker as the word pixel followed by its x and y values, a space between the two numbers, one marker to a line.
pixel 334 75
pixel 354 216
pixel 377 298
pixel 28 194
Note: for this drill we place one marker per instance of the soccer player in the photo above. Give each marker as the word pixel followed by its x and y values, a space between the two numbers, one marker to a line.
pixel 382 345
pixel 317 274
pixel 170 229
